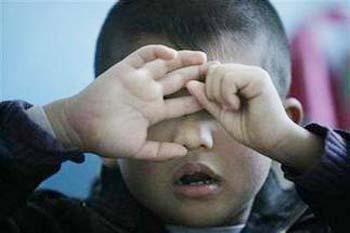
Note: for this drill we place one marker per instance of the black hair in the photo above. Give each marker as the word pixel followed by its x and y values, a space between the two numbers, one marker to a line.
pixel 198 25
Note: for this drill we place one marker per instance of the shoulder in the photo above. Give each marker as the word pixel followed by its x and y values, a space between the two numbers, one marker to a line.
pixel 51 211
pixel 309 223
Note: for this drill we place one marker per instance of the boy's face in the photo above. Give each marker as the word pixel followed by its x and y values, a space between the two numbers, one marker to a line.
pixel 214 184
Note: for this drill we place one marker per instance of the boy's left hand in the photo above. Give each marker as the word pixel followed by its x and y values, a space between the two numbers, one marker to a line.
pixel 244 100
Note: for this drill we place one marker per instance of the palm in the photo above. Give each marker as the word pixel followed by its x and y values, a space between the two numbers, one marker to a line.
pixel 125 100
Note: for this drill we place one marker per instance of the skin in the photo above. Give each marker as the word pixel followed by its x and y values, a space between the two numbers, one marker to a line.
pixel 214 139
pixel 209 124
pixel 129 97
pixel 243 169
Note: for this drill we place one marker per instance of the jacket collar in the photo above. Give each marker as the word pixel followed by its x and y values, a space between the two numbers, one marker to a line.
pixel 275 208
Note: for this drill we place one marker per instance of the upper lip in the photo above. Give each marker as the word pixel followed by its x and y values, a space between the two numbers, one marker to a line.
pixel 193 167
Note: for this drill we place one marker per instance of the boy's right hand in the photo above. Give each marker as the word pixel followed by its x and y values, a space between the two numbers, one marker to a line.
pixel 112 115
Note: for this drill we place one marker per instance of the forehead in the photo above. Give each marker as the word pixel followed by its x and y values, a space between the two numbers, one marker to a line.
pixel 221 49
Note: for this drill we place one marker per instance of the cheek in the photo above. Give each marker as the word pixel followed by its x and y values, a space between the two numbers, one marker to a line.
pixel 136 171
pixel 146 174
pixel 257 169
pixel 139 178
pixel 246 170
pixel 251 166
pixel 163 131
pixel 149 169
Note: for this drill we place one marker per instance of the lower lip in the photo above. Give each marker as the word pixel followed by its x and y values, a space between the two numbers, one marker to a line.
pixel 197 191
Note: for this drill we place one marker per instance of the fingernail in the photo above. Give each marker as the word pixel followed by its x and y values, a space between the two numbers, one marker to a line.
pixel 183 152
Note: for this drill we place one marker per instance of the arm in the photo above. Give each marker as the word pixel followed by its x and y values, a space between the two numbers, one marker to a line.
pixel 109 117
pixel 325 186
pixel 28 155
pixel 244 100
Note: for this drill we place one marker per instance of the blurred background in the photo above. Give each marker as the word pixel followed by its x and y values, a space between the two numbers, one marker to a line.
pixel 47 51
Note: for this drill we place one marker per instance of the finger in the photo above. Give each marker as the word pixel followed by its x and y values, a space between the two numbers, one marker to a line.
pixel 159 68
pixel 197 89
pixel 209 81
pixel 211 64
pixel 229 92
pixel 160 151
pixel 176 80
pixel 149 53
pixel 180 106
pixel 216 88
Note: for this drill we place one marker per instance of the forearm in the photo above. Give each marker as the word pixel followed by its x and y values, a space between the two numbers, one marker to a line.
pixel 301 149
pixel 325 186
pixel 28 155
pixel 56 116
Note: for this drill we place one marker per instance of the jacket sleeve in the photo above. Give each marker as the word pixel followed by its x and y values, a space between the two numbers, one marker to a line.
pixel 28 155
pixel 326 187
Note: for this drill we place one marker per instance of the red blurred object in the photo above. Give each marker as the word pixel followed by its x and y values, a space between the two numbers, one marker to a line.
pixel 322 88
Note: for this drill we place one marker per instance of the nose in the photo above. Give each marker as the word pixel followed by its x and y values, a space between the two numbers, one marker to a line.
pixel 194 134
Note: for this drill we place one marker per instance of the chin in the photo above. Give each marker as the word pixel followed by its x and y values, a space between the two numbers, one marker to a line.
pixel 198 221
pixel 199 218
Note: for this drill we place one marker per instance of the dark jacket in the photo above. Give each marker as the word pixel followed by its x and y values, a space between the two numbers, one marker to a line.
pixel 28 155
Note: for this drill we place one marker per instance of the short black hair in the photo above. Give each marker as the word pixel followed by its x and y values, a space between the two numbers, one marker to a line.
pixel 197 25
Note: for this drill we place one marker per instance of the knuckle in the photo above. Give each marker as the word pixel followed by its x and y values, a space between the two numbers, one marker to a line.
pixel 213 68
pixel 232 67
pixel 228 78
pixel 260 72
pixel 260 76
pixel 229 84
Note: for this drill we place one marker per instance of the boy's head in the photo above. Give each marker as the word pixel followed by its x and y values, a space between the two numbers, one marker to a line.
pixel 218 180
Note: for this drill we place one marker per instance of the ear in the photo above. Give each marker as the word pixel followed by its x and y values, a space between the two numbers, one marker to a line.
pixel 294 109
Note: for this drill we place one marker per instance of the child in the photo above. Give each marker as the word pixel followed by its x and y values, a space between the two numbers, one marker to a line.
pixel 220 134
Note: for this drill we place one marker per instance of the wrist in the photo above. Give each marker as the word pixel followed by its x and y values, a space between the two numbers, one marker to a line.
pixel 38 116
pixel 57 114
pixel 299 149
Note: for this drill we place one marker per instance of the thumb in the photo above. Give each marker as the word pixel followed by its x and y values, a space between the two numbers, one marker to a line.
pixel 160 151
pixel 197 89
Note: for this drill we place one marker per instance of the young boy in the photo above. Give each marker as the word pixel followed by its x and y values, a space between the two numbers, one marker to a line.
pixel 194 139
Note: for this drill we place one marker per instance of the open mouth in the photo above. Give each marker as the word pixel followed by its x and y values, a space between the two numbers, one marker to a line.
pixel 196 180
